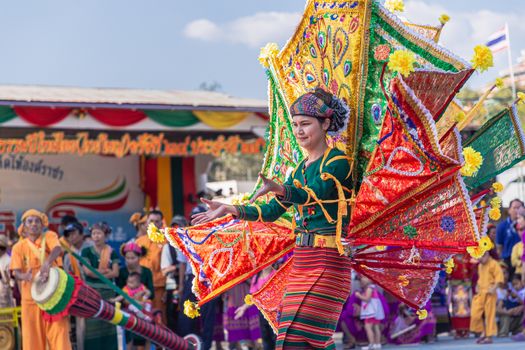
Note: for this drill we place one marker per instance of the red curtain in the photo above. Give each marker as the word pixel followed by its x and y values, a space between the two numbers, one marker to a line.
pixel 117 117
pixel 149 182
pixel 42 116
pixel 189 188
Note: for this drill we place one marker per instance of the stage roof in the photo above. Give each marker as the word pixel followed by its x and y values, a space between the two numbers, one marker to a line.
pixel 126 98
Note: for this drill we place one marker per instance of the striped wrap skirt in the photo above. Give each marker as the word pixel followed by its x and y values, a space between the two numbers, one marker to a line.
pixel 318 286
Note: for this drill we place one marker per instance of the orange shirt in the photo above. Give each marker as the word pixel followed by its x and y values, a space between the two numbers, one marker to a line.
pixel 152 259
pixel 23 258
pixel 490 274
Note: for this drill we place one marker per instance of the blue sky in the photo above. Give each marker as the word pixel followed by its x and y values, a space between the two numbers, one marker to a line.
pixel 174 44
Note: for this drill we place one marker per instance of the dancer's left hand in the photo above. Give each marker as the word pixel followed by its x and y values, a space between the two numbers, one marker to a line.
pixel 212 214
pixel 267 187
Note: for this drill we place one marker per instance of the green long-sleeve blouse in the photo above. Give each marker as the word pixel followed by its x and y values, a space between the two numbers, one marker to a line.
pixel 311 189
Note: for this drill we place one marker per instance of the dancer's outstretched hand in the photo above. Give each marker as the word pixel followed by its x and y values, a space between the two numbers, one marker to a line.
pixel 211 204
pixel 215 211
pixel 267 187
pixel 208 215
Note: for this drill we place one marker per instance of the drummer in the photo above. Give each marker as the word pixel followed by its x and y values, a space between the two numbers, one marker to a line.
pixel 37 252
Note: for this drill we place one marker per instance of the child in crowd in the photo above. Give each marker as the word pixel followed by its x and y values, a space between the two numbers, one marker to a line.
pixel 372 312
pixel 404 322
pixel 136 290
pixel 484 302
pixel 510 309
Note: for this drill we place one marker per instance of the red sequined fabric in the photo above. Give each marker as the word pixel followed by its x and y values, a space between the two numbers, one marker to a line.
pixel 227 251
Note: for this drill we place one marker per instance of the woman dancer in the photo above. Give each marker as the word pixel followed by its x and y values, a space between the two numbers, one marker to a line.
pixel 319 191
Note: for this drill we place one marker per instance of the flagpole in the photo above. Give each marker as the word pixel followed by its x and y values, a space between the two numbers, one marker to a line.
pixel 513 82
pixel 509 56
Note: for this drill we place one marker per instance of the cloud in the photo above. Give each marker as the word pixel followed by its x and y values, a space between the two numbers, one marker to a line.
pixel 253 31
pixel 202 29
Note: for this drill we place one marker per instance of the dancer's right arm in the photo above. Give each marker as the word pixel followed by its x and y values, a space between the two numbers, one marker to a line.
pixel 264 212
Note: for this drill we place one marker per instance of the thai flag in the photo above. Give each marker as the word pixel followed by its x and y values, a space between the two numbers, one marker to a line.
pixel 499 40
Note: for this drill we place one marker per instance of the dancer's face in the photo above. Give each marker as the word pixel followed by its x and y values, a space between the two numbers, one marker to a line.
pixel 310 132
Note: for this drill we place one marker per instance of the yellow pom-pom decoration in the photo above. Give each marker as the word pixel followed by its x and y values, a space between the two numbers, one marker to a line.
pixel 403 281
pixel 467 171
pixel 380 248
pixel 270 50
pixel 444 18
pixel 154 234
pixel 473 161
pixel 482 59
pixel 475 252
pixel 422 314
pixel 402 61
pixel 191 309
pixel 497 187
pixel 495 202
pixel 485 243
pixel 495 214
pixel 521 97
pixel 248 299
pixel 499 83
pixel 459 117
pixel 449 265
pixel 395 5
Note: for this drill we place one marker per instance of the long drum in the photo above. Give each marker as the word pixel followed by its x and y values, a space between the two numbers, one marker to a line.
pixel 63 294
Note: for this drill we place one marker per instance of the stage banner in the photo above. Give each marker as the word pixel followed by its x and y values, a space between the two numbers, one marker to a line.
pixel 93 188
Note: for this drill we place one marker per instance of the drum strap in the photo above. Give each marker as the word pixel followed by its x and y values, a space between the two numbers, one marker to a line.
pixel 40 252
pixel 72 259
pixel 74 266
